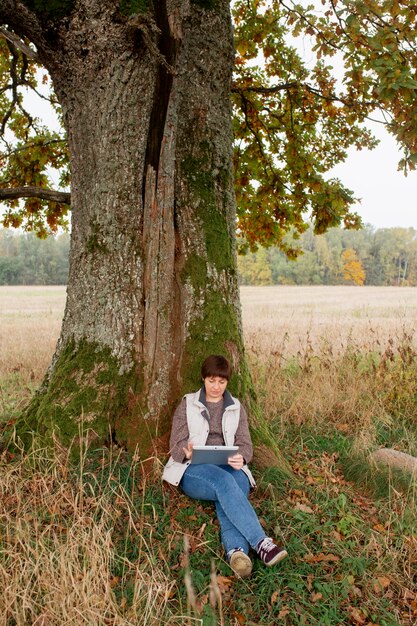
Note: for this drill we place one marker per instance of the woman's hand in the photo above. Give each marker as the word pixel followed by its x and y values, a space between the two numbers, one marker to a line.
pixel 188 451
pixel 236 461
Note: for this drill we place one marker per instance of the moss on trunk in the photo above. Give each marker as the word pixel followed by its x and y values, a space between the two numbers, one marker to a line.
pixel 86 391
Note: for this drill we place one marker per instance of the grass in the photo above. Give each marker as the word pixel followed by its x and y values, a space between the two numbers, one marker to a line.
pixel 100 541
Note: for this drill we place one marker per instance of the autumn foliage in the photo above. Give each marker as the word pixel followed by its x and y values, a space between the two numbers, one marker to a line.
pixel 307 78
pixel 353 271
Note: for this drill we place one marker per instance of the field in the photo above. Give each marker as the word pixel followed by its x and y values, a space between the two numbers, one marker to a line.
pixel 276 319
pixel 287 318
pixel 99 543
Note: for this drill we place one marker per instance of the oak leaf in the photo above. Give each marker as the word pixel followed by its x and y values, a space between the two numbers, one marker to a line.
pixel 224 582
pixel 381 583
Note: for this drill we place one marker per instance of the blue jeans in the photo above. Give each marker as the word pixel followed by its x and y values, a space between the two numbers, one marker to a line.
pixel 228 489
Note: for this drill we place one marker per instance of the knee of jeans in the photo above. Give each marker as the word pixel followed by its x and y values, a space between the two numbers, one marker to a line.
pixel 243 482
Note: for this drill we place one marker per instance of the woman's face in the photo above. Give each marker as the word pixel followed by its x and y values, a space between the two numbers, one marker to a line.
pixel 214 386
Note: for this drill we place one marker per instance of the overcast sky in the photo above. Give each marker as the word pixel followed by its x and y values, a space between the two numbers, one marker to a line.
pixel 388 198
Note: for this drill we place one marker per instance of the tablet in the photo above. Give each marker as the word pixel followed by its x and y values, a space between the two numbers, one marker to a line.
pixel 216 455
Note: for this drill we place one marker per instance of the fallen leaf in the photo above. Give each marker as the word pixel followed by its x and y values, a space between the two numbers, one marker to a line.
pixel 315 597
pixel 310 579
pixel 355 592
pixel 283 612
pixel 274 597
pixel 318 558
pixel 409 595
pixel 344 428
pixel 356 615
pixel 380 583
pixel 303 508
pixel 201 602
pixel 223 582
pixel 379 528
pixel 241 619
pixel 201 531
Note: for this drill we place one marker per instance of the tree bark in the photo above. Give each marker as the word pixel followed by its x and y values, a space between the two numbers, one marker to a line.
pixel 153 282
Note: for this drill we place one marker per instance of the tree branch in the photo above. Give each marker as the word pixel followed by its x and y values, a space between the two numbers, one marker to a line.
pixel 16 41
pixel 295 84
pixel 12 193
pixel 265 90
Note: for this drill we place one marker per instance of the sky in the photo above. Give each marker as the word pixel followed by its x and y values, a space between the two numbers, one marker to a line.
pixel 388 198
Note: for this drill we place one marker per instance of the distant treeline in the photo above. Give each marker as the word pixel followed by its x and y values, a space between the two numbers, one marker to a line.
pixel 27 260
pixel 386 256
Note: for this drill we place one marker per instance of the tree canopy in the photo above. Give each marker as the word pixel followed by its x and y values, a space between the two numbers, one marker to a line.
pixel 307 78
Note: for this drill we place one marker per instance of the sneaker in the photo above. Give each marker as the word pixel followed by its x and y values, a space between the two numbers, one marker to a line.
pixel 240 563
pixel 269 552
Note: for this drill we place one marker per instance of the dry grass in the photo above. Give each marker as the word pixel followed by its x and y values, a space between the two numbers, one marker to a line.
pixel 30 321
pixel 81 546
pixel 58 556
pixel 287 320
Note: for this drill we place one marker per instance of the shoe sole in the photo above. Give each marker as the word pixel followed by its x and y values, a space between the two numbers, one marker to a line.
pixel 279 557
pixel 241 565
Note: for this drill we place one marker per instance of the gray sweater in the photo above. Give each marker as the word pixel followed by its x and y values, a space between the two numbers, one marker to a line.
pixel 180 434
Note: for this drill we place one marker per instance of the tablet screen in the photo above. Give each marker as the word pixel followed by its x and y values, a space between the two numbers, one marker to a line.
pixel 216 455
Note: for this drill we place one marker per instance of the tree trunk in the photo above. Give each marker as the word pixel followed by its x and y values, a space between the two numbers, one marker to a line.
pixel 153 282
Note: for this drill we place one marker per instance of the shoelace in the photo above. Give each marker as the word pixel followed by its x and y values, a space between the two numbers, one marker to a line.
pixel 266 545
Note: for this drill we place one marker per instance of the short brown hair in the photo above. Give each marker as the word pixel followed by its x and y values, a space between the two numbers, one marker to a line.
pixel 216 365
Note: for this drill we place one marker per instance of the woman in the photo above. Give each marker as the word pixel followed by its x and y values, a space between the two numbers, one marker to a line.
pixel 212 416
